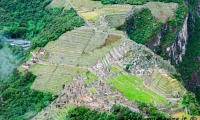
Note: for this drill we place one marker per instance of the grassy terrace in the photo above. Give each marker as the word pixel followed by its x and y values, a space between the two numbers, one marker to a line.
pixel 115 20
pixel 89 15
pixel 79 47
pixel 133 89
pixel 161 11
pixel 115 69
pixel 72 51
pixel 96 6
pixel 162 84
pixel 51 78
pixel 90 77
pixel 181 114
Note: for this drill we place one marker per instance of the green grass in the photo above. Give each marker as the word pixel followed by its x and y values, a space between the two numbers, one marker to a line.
pixel 162 11
pixel 90 77
pixel 77 42
pixel 36 50
pixel 183 114
pixel 46 56
pixel 51 78
pixel 133 88
pixel 90 15
pixel 115 20
pixel 92 89
pixel 115 68
pixel 109 9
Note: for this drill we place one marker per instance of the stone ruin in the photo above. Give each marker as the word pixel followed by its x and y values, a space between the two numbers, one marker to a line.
pixel 143 63
pixel 78 94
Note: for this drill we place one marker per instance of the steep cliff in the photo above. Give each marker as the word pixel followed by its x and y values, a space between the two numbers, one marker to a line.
pixel 190 66
pixel 174 51
pixel 166 38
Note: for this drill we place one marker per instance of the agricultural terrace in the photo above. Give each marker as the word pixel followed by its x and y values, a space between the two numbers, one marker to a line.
pixel 134 89
pixel 161 11
pixel 114 68
pixel 80 47
pixel 51 78
pixel 75 50
pixel 180 115
pixel 95 6
pixel 59 3
pixel 69 56
pixel 92 10
pixel 116 14
pixel 165 85
pixel 89 15
pixel 115 20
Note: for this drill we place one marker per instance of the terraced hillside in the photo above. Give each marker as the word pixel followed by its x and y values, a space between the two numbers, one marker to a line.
pixel 133 88
pixel 50 78
pixel 78 47
pixel 102 67
pixel 164 84
pixel 106 83
pixel 70 55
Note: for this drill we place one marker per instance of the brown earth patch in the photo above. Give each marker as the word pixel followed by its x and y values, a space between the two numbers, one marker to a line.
pixel 110 39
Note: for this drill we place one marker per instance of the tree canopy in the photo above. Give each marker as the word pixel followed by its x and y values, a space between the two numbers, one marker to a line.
pixel 31 20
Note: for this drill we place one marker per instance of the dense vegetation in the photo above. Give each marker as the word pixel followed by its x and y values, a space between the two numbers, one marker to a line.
pixel 117 113
pixel 146 24
pixel 142 26
pixel 189 102
pixel 189 68
pixel 18 101
pixel 151 111
pixel 29 19
pixel 1 45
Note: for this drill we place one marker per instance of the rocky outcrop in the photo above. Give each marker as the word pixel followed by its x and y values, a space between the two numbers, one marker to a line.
pixel 174 51
pixel 177 50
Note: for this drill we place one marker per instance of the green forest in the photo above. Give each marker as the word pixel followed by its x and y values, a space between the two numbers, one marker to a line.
pixel 142 26
pixel 117 113
pixel 30 20
pixel 189 68
pixel 18 101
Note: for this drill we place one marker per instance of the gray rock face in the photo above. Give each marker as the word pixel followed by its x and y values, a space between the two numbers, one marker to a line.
pixel 176 50
pixel 155 42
